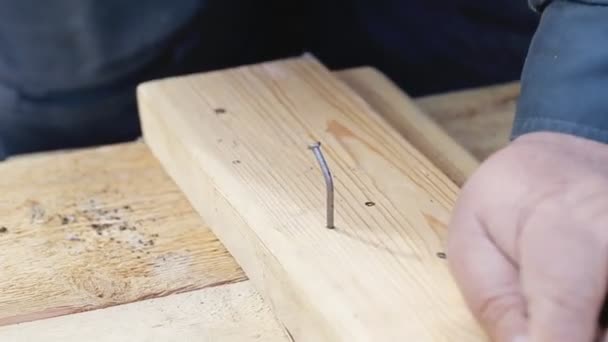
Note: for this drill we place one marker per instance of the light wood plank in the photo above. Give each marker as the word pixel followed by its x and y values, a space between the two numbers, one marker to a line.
pixel 235 142
pixel 479 119
pixel 417 127
pixel 229 313
pixel 95 228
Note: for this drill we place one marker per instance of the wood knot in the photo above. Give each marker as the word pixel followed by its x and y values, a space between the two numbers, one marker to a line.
pixel 99 286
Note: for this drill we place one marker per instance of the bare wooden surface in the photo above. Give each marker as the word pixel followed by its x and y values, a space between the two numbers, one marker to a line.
pixel 224 137
pixel 89 229
pixel 413 124
pixel 479 119
pixel 228 313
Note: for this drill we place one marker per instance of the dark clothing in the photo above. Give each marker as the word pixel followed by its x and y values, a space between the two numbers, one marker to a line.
pixel 68 68
pixel 565 80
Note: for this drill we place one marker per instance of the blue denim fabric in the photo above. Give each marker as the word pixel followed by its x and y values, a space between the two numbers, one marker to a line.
pixel 68 68
pixel 564 83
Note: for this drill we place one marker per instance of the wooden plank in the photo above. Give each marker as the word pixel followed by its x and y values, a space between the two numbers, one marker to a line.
pixel 229 313
pixel 95 228
pixel 417 127
pixel 479 119
pixel 235 142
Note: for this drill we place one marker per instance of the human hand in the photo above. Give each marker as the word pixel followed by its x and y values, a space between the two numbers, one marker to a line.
pixel 528 241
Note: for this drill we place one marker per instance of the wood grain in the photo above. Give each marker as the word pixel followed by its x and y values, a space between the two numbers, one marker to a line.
pixel 235 142
pixel 89 229
pixel 229 313
pixel 479 119
pixel 414 125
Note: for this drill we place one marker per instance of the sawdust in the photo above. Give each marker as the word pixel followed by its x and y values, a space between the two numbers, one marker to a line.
pixel 108 225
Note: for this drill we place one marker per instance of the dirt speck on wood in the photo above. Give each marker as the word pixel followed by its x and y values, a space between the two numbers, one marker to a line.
pixel 36 213
pixel 74 237
pixel 67 219
pixel 109 224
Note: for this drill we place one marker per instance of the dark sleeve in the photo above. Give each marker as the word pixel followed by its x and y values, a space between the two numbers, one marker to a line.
pixel 565 77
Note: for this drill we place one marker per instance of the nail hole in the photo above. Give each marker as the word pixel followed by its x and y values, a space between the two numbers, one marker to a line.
pixel 370 203
pixel 441 255
pixel 219 111
pixel 236 161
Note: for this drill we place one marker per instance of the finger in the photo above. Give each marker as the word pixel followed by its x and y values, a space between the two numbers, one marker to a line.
pixel 488 281
pixel 564 280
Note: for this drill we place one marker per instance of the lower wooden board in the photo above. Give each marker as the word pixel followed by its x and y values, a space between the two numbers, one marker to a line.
pixel 229 313
pixel 235 142
pixel 95 228
pixel 478 119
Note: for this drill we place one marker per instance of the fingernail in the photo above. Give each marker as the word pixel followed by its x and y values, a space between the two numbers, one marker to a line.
pixel 520 339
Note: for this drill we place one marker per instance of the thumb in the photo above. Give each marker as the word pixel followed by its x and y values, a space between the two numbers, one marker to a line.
pixel 488 280
pixel 564 274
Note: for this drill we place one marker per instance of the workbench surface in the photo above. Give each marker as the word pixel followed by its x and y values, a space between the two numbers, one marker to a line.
pixel 96 228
